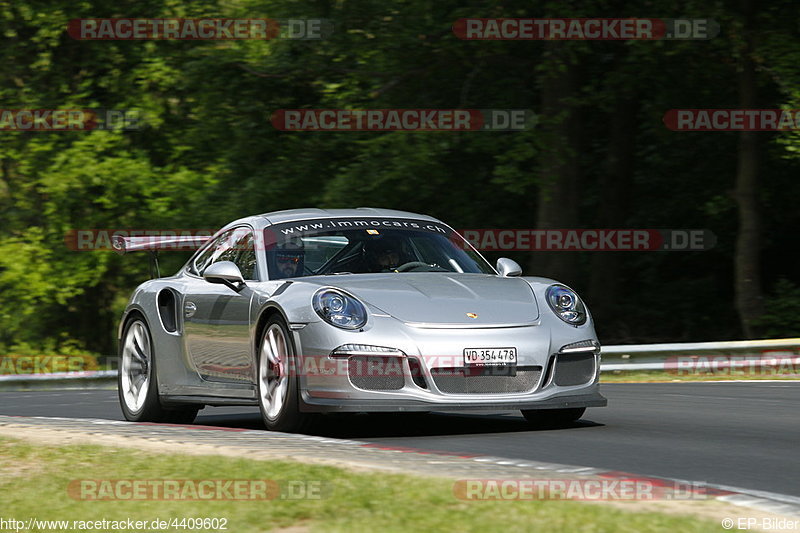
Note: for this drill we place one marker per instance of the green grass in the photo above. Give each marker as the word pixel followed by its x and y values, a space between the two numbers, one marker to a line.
pixel 642 376
pixel 34 480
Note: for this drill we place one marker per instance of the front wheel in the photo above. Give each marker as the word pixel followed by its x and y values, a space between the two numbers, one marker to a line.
pixel 553 417
pixel 278 388
pixel 137 383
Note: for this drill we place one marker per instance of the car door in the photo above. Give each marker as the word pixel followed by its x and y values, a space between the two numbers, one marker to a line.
pixel 217 318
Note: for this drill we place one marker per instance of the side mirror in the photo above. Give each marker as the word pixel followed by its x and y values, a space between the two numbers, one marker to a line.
pixel 225 272
pixel 508 268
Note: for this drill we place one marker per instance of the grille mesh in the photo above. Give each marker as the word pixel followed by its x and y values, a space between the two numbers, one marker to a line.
pixel 454 381
pixel 376 373
pixel 574 369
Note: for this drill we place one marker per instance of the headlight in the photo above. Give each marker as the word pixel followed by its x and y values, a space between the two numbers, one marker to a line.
pixel 340 309
pixel 566 304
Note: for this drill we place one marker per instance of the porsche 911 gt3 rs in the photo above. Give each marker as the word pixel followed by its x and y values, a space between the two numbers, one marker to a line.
pixel 312 311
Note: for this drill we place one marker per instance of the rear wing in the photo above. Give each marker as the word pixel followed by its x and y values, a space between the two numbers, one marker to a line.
pixel 154 243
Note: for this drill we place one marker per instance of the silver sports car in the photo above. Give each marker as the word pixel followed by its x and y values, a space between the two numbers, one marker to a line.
pixel 312 311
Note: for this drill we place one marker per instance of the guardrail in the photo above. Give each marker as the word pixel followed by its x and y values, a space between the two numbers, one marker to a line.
pixel 680 356
pixel 85 380
pixel 698 355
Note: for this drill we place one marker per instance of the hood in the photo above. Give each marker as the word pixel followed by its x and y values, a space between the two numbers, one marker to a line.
pixel 442 299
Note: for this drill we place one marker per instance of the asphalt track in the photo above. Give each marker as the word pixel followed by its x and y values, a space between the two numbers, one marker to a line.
pixel 744 434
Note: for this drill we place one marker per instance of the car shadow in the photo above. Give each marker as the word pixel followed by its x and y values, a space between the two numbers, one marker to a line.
pixel 368 426
pixel 383 425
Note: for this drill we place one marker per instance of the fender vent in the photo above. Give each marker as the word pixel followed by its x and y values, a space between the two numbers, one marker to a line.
pixel 166 310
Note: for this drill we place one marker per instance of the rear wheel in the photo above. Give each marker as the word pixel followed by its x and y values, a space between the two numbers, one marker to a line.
pixel 137 382
pixel 553 417
pixel 278 387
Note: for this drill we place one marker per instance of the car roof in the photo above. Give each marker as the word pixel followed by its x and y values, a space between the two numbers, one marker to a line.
pixel 259 222
pixel 290 215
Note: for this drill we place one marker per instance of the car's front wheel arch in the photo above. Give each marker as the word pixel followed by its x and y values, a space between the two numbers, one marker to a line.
pixel 266 315
pixel 277 370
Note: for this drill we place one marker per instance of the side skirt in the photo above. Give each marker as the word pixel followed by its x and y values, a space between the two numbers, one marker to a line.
pixel 214 401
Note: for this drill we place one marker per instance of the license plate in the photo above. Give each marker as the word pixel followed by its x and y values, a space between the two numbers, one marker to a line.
pixel 490 356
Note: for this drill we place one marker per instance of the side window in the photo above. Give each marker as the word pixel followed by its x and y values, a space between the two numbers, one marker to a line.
pixel 236 245
pixel 245 257
pixel 208 255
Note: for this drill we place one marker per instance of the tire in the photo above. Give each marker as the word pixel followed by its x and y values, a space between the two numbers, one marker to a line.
pixel 553 417
pixel 277 381
pixel 137 382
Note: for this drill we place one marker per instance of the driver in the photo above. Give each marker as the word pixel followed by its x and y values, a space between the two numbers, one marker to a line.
pixel 289 261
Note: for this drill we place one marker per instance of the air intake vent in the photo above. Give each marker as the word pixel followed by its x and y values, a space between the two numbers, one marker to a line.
pixel 417 375
pixel 455 381
pixel 376 373
pixel 166 310
pixel 574 369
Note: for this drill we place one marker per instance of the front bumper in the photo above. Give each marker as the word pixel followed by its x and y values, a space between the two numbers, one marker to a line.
pixel 567 361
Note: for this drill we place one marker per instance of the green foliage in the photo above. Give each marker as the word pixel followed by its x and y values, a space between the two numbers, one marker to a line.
pixel 782 316
pixel 207 153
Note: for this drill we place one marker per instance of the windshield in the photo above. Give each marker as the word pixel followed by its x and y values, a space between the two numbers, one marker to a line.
pixel 368 245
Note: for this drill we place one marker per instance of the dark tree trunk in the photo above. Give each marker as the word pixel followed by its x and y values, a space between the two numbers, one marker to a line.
pixel 749 299
pixel 559 170
pixel 615 185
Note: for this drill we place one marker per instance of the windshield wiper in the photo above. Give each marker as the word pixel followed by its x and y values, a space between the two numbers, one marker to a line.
pixel 335 273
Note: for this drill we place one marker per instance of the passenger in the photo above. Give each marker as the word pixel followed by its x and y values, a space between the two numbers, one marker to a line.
pixel 383 255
